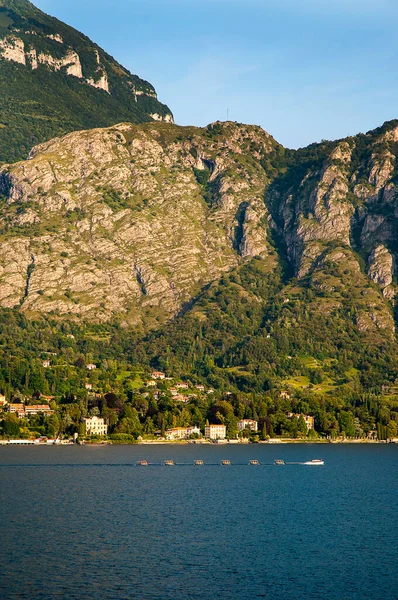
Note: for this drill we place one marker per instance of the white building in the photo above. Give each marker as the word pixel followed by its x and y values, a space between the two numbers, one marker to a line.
pixel 176 433
pixel 3 400
pixel 247 424
pixel 95 426
pixel 89 386
pixel 182 433
pixel 91 367
pixel 193 430
pixel 215 432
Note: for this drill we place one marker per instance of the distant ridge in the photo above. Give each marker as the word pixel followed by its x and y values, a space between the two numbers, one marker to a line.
pixel 54 80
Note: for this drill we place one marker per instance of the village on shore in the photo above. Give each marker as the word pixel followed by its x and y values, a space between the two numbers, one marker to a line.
pixel 40 420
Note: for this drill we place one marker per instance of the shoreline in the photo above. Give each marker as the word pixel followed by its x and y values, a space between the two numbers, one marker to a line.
pixel 30 444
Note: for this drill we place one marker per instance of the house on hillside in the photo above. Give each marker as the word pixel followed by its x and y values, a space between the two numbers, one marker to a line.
pixel 181 385
pixel 91 367
pixel 158 375
pixel 36 409
pixel 180 398
pixel 47 398
pixel 17 409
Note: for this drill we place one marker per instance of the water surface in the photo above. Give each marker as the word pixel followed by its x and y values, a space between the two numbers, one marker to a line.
pixel 86 522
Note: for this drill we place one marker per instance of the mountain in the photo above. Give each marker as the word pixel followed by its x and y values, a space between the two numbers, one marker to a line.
pixel 54 80
pixel 131 220
pixel 138 219
pixel 234 256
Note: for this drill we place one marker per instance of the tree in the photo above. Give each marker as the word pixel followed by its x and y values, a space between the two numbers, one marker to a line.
pixel 11 426
pixel 392 429
pixel 347 423
pixel 302 429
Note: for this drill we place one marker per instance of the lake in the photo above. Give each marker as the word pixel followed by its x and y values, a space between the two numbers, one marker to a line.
pixel 86 522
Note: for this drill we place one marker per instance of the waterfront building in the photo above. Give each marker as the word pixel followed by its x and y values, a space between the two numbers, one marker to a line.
pixel 248 424
pixel 95 426
pixel 215 432
pixel 182 433
pixel 176 433
pixel 193 430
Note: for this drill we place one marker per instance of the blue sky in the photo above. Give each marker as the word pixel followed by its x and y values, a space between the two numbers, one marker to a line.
pixel 302 69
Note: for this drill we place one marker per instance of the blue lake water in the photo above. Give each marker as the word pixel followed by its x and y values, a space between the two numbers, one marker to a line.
pixel 86 522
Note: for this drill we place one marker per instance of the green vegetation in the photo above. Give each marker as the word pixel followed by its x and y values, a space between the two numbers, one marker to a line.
pixel 264 359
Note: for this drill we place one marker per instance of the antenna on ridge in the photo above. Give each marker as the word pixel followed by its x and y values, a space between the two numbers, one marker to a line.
pixel 227 114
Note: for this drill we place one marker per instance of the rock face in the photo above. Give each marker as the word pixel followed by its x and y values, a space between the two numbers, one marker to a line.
pixel 134 221
pixel 335 207
pixel 381 270
pixel 12 48
pixel 68 82
pixel 320 213
pixel 131 220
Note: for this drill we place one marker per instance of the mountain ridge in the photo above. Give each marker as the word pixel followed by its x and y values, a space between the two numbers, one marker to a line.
pixel 54 80
pixel 331 214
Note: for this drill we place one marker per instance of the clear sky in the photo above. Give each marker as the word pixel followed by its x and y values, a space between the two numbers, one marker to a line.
pixel 302 69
